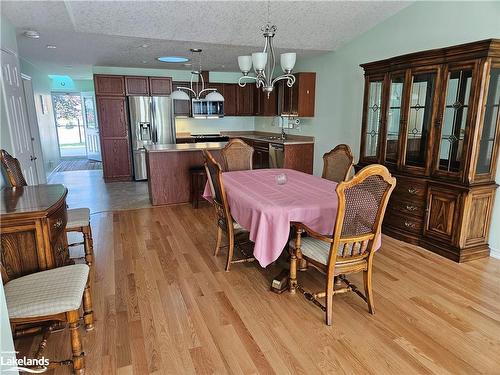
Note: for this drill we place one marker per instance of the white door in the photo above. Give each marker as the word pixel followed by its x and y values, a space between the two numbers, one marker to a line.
pixel 29 98
pixel 20 136
pixel 91 126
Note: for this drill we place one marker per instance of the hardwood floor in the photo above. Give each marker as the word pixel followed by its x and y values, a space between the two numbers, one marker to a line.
pixel 164 305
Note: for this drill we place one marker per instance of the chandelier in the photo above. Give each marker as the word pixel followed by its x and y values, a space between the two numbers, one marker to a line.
pixel 264 62
pixel 212 94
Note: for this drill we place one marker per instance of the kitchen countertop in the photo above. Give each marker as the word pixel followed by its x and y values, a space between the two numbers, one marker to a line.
pixel 185 147
pixel 261 136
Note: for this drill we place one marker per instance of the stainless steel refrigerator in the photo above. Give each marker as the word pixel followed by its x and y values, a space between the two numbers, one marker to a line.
pixel 151 122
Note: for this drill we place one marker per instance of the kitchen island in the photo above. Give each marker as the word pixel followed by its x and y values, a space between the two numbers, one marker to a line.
pixel 168 169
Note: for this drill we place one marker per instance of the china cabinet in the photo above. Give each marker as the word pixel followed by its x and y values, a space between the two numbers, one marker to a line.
pixel 432 118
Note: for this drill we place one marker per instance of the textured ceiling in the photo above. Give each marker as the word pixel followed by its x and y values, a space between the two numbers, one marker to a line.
pixel 111 33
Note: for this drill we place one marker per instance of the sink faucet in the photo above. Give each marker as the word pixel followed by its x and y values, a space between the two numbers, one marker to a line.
pixel 283 134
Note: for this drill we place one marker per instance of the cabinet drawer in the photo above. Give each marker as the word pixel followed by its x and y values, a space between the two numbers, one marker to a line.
pixel 414 207
pixel 410 189
pixel 398 220
pixel 57 222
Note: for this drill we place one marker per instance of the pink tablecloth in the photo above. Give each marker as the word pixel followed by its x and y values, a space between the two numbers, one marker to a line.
pixel 266 209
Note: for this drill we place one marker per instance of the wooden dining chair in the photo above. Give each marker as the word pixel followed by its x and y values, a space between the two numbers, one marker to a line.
pixel 51 298
pixel 337 163
pixel 78 218
pixel 237 156
pixel 225 222
pixel 362 202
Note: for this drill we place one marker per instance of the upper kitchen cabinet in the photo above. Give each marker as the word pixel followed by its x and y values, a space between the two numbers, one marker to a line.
pixel 160 86
pixel 137 85
pixel 230 100
pixel 109 85
pixel 264 105
pixel 298 100
pixel 245 100
pixel 182 108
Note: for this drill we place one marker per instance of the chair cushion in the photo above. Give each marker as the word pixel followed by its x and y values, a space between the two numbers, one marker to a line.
pixel 48 292
pixel 313 248
pixel 78 217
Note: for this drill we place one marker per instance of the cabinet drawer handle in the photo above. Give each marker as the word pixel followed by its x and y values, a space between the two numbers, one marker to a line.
pixel 410 207
pixel 409 225
pixel 412 190
pixel 58 224
pixel 60 249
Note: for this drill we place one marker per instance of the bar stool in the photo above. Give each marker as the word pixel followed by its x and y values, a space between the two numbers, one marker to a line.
pixel 198 181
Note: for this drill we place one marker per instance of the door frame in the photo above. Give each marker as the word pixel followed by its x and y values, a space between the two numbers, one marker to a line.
pixel 34 128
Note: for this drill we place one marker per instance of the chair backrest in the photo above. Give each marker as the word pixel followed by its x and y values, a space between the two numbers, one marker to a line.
pixel 337 163
pixel 237 156
pixel 219 199
pixel 362 202
pixel 12 169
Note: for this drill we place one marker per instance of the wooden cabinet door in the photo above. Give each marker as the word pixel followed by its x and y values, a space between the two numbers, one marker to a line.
pixel 264 105
pixel 109 85
pixel 112 113
pixel 443 214
pixel 230 99
pixel 244 100
pixel 160 86
pixel 303 95
pixel 182 108
pixel 116 158
pixel 137 85
pixel 114 135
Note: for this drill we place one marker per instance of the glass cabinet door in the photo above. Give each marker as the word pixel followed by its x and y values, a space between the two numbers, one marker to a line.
pixel 419 118
pixel 394 114
pixel 490 124
pixel 456 106
pixel 372 119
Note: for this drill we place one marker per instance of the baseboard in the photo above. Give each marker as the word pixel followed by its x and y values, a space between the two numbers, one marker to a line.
pixel 495 253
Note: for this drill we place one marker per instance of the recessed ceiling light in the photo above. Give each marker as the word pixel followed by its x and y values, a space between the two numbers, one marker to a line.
pixel 173 59
pixel 144 45
pixel 32 34
pixel 144 61
pixel 51 46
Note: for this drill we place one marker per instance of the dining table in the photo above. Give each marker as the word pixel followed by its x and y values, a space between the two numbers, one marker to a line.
pixel 267 201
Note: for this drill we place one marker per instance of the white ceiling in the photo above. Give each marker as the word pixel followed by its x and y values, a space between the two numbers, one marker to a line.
pixel 111 33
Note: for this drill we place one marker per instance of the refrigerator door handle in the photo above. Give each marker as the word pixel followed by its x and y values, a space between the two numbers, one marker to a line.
pixel 154 137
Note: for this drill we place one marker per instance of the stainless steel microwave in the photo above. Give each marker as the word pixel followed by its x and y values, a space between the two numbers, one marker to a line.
pixel 203 108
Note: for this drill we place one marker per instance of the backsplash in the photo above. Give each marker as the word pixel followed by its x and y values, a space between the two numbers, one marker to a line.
pixel 206 126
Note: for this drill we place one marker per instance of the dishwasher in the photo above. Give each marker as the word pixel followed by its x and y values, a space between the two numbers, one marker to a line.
pixel 276 155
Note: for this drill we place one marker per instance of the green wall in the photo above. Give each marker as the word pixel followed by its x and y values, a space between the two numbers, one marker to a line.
pixel 339 81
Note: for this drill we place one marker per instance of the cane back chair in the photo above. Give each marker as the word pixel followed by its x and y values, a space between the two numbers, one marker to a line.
pixel 225 222
pixel 362 202
pixel 337 163
pixel 78 218
pixel 237 156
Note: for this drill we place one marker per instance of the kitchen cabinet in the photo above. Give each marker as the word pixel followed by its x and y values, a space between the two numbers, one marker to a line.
pixel 109 85
pixel 298 100
pixel 432 118
pixel 135 85
pixel 230 99
pixel 114 137
pixel 245 100
pixel 264 105
pixel 260 154
pixel 182 108
pixel 160 86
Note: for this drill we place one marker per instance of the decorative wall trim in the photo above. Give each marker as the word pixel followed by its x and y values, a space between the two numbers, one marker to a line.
pixel 495 253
